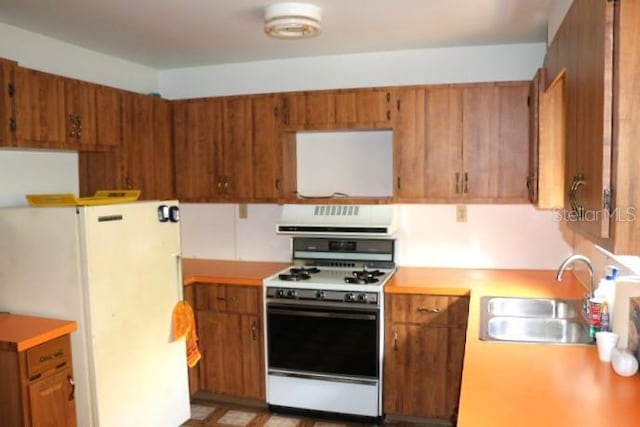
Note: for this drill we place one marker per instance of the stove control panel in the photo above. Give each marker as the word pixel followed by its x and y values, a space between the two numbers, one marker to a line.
pixel 322 295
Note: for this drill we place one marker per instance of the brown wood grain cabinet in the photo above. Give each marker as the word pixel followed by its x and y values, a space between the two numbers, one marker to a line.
pixel 80 113
pixel 595 47
pixel 40 120
pixel 7 103
pixel 462 143
pixel 424 351
pixel 236 177
pixel 37 387
pixel 144 158
pixel 368 108
pixel 268 147
pixel 229 324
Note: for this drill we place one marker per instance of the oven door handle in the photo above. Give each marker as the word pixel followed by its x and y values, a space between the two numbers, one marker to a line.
pixel 307 313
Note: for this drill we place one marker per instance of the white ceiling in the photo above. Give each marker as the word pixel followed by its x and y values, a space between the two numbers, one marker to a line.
pixel 165 34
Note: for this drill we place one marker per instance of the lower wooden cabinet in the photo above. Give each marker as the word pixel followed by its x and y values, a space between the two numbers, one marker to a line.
pixel 229 325
pixel 37 387
pixel 424 351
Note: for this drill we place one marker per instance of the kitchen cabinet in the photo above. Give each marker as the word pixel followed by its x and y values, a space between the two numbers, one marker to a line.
pixel 369 108
pixel 143 160
pixel 213 149
pixel 37 387
pixel 108 107
pixel 229 325
pixel 267 155
pixel 595 47
pixel 39 109
pixel 462 143
pixel 80 113
pixel 7 107
pixel 424 351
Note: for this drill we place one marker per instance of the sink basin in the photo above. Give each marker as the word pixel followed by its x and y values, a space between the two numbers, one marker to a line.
pixel 543 330
pixel 537 320
pixel 530 307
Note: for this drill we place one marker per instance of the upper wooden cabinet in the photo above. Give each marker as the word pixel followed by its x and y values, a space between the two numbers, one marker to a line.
pixel 462 143
pixel 213 149
pixel 40 120
pixel 596 46
pixel 80 113
pixel 144 160
pixel 338 109
pixel 267 155
pixel 7 106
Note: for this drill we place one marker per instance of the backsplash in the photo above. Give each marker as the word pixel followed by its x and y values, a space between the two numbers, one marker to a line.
pixel 494 236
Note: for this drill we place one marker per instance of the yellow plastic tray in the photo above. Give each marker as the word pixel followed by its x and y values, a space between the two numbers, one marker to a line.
pixel 101 197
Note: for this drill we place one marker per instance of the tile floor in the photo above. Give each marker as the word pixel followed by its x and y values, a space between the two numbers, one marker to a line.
pixel 225 415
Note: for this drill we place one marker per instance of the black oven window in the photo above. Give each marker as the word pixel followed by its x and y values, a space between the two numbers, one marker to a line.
pixel 321 340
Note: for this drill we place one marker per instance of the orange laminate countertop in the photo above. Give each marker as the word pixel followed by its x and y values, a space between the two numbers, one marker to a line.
pixel 19 333
pixel 511 384
pixel 228 272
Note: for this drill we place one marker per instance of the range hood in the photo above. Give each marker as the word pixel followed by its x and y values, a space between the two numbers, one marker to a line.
pixel 338 220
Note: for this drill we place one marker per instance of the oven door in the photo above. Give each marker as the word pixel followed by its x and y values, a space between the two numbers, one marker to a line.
pixel 323 341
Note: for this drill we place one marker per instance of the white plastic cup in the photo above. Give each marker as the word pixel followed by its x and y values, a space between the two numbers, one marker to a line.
pixel 606 342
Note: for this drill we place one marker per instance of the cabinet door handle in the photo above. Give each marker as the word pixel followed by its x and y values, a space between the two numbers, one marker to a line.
pixel 221 298
pixel 398 183
pixel 395 340
pixel 457 182
pixel 254 330
pixel 219 185
pixel 466 183
pixel 423 309
pixel 72 383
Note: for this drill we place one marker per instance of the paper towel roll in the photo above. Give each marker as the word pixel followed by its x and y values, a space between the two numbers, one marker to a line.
pixel 626 287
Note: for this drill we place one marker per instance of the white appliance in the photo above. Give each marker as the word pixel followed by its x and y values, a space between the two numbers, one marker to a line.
pixel 338 220
pixel 324 327
pixel 116 270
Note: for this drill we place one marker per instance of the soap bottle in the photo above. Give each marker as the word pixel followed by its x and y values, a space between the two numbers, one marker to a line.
pixel 605 323
pixel 606 291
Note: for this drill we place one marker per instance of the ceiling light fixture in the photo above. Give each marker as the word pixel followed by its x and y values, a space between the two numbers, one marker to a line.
pixel 292 20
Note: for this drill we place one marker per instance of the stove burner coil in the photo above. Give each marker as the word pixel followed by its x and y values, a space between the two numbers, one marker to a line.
pixel 307 270
pixel 294 277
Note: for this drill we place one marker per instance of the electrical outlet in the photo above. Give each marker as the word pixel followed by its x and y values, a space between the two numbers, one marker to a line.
pixel 461 213
pixel 243 211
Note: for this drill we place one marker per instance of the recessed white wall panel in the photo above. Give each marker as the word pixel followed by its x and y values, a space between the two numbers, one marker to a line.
pixel 256 238
pixel 356 163
pixel 36 172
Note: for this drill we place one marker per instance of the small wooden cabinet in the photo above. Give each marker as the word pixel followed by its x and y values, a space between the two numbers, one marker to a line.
pixel 7 104
pixel 462 143
pixel 268 147
pixel 424 351
pixel 37 387
pixel 229 325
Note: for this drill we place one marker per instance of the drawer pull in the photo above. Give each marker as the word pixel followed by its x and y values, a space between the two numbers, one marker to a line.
pixel 221 298
pixel 51 356
pixel 423 309
pixel 72 383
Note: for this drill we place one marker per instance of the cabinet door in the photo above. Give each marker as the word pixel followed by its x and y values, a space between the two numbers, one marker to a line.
pixel 139 144
pixel 374 107
pixel 7 105
pixel 267 148
pixel 443 142
pixel 213 329
pixel 109 116
pixel 52 400
pixel 237 176
pixel 39 109
pixel 495 142
pixel 163 187
pixel 536 89
pixel 408 144
pixel 253 378
pixel 197 135
pixel 80 101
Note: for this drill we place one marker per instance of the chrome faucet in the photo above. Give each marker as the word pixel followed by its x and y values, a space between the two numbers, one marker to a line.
pixel 577 257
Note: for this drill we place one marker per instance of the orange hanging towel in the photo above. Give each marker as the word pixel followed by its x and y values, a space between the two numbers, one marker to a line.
pixel 184 325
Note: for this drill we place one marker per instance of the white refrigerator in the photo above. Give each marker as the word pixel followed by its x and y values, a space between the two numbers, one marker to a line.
pixel 116 270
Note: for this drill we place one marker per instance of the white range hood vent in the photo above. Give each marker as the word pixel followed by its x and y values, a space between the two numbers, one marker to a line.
pixel 338 220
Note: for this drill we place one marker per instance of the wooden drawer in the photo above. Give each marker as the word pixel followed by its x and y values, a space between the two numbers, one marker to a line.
pixel 228 298
pixel 443 310
pixel 48 356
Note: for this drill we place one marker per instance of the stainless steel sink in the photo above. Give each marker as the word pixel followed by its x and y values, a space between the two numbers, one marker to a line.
pixel 530 307
pixel 538 320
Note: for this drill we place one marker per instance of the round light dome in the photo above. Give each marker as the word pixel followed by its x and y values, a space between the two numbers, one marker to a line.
pixel 292 20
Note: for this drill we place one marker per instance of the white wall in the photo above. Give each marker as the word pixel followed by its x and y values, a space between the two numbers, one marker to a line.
pixel 36 172
pixel 42 53
pixel 559 9
pixel 460 64
pixel 494 236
